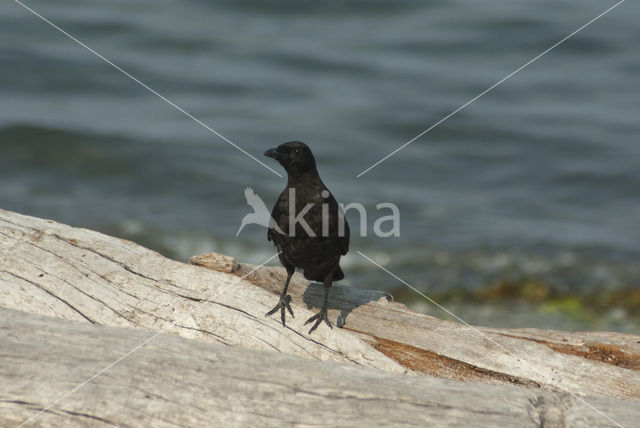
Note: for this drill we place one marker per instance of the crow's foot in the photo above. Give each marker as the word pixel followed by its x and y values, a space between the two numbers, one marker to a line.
pixel 318 318
pixel 282 305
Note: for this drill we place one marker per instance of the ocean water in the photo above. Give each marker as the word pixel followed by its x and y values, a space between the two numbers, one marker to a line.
pixel 538 180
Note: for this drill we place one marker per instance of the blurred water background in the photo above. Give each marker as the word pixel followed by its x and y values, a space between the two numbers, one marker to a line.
pixel 521 210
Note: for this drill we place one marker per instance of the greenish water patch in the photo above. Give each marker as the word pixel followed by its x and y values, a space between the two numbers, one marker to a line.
pixel 528 302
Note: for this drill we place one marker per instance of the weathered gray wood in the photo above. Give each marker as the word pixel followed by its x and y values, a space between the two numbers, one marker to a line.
pixel 52 269
pixel 173 381
pixel 604 363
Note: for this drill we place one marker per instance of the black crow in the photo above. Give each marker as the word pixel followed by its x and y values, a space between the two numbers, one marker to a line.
pixel 313 232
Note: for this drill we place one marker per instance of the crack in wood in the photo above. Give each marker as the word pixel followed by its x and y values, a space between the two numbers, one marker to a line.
pixel 433 364
pixel 35 284
pixel 602 352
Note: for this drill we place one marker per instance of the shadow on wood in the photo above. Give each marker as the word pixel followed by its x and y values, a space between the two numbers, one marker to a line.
pixel 52 269
pixel 173 381
pixel 554 360
pixel 340 299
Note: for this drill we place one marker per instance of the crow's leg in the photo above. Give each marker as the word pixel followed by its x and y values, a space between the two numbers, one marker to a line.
pixel 285 298
pixel 322 315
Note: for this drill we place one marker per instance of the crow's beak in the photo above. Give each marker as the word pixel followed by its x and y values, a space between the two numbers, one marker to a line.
pixel 272 153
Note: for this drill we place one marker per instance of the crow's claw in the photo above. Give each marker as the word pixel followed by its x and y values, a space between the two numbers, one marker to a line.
pixel 283 304
pixel 318 318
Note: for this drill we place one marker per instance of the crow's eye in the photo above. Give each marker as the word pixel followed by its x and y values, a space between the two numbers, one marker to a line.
pixel 297 150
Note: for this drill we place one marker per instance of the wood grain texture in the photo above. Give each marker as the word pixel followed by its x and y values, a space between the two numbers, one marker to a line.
pixel 579 362
pixel 52 269
pixel 48 268
pixel 172 381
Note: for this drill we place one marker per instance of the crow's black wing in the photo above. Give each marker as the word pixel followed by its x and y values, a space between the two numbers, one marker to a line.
pixel 343 241
pixel 336 216
pixel 279 214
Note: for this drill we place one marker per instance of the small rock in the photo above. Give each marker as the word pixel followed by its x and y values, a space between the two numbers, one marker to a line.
pixel 215 261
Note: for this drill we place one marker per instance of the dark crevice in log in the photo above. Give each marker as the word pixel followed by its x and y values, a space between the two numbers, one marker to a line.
pixel 550 411
pixel 54 411
pixel 78 289
pixel 75 243
pixel 35 284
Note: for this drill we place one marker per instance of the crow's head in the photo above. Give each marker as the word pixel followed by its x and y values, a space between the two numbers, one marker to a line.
pixel 294 156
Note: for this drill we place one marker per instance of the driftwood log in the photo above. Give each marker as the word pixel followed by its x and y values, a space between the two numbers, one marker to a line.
pixel 173 381
pixel 386 364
